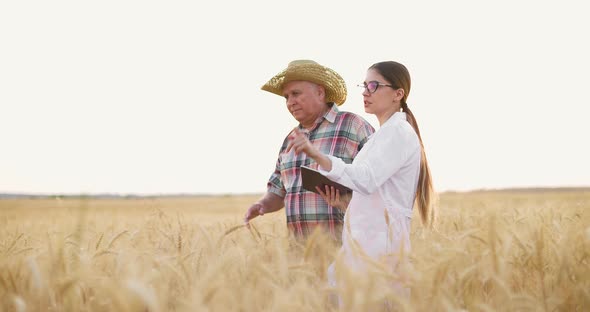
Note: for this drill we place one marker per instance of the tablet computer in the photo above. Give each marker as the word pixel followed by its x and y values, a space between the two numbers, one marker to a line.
pixel 312 178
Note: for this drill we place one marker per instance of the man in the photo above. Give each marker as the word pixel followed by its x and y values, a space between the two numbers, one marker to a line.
pixel 313 93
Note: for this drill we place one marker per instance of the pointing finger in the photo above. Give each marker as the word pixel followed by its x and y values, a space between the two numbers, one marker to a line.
pixel 289 147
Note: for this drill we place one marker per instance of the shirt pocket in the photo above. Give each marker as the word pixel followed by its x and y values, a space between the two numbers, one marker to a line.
pixel 290 172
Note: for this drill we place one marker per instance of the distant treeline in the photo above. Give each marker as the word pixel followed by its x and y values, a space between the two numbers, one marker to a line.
pixel 136 196
pixel 528 190
pixel 116 196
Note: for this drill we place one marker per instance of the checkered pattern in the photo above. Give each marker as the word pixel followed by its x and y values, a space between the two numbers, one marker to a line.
pixel 341 134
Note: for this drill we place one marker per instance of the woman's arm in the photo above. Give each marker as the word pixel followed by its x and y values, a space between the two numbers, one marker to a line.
pixel 300 143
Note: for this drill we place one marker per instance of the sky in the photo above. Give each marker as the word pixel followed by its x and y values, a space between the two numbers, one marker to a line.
pixel 156 97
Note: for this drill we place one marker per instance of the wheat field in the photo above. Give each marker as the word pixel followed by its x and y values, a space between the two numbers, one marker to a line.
pixel 490 251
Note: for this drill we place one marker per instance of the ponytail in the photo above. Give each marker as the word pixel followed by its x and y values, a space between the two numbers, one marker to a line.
pixel 399 77
pixel 425 191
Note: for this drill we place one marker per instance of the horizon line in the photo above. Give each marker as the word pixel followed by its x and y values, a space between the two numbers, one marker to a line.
pixel 204 194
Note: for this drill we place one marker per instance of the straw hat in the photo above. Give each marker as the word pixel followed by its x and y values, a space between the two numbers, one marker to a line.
pixel 307 70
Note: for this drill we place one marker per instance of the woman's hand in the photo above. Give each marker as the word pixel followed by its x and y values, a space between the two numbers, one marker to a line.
pixel 333 198
pixel 299 142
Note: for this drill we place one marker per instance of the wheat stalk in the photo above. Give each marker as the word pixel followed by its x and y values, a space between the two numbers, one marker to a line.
pixel 99 240
pixel 115 238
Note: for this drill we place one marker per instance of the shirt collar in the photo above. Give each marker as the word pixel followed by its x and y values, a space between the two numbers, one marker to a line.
pixel 396 116
pixel 330 116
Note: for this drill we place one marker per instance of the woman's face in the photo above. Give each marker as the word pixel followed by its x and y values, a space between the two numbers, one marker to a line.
pixel 379 97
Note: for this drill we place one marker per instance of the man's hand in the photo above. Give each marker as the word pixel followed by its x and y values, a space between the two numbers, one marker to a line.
pixel 270 202
pixel 257 209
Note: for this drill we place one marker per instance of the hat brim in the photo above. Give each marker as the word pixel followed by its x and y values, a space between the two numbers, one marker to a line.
pixel 321 75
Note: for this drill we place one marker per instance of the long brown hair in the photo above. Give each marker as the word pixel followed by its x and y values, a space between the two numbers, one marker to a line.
pixel 399 76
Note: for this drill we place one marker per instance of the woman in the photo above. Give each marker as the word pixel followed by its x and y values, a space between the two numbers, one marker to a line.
pixel 388 175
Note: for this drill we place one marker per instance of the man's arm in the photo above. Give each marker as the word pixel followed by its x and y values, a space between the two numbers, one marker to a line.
pixel 270 202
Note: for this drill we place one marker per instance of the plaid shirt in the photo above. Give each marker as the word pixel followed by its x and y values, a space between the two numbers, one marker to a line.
pixel 341 134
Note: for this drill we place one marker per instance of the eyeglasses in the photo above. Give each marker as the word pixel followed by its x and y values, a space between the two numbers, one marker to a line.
pixel 372 86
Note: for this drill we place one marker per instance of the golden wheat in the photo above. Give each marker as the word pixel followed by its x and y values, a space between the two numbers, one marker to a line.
pixel 490 251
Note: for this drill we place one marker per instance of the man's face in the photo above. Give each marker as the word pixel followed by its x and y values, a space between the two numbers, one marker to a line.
pixel 305 101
